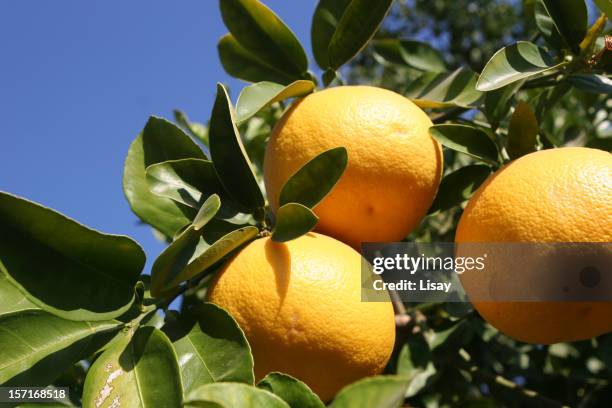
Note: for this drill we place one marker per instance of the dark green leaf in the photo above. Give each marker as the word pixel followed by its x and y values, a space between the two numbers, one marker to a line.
pixel 138 371
pixel 37 346
pixel 459 186
pixel 229 157
pixel 196 130
pixel 416 54
pixel 443 90
pixel 324 22
pixel 605 6
pixel 522 131
pixel 356 27
pixel 467 139
pixel 255 97
pixel 176 256
pixel 77 273
pixel 314 180
pixel 383 391
pixel 591 83
pixel 292 391
pixel 416 363
pixel 210 347
pixel 513 63
pixel 265 35
pixel 240 63
pixel 202 260
pixel 571 19
pixel 497 103
pixel 233 395
pixel 160 141
pixel 546 26
pixel 292 221
pixel 13 301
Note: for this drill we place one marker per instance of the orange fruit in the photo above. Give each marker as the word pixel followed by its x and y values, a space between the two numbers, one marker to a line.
pixel 300 307
pixel 550 196
pixel 394 165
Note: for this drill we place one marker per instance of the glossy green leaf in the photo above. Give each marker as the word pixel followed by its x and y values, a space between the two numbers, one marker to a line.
pixel 522 131
pixel 292 221
pixel 194 129
pixel 546 25
pixel 259 30
pixel 383 391
pixel 571 19
pixel 324 22
pixel 315 179
pixel 140 371
pixel 497 103
pixel 240 63
pixel 77 273
pixel 291 390
pixel 513 63
pixel 210 347
pixel 356 27
pixel 12 299
pixel 605 6
pixel 176 256
pixel 232 395
pixel 228 155
pixel 160 141
pixel 466 139
pixel 255 97
pixel 221 248
pixel 187 181
pixel 592 83
pixel 458 186
pixel 444 90
pixel 415 54
pixel 38 346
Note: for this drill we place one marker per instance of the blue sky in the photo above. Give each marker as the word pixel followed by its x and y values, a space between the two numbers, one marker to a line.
pixel 78 80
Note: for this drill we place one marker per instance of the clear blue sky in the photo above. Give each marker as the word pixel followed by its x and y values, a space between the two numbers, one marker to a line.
pixel 78 80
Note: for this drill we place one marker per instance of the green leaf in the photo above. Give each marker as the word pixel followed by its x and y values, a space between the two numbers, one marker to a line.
pixel 37 346
pixel 522 131
pixel 605 6
pixel 240 63
pixel 210 347
pixel 196 130
pixel 415 54
pixel 160 141
pixel 468 140
pixel 571 19
pixel 546 26
pixel 292 221
pixel 513 63
pixel 229 157
pixel 265 35
pixel 592 83
pixel 444 90
pixel 176 256
pixel 291 390
pixel 77 273
pixel 383 391
pixel 221 248
pixel 416 363
pixel 232 395
pixel 459 186
pixel 324 22
pixel 315 179
pixel 255 97
pixel 356 27
pixel 497 103
pixel 139 371
pixel 13 301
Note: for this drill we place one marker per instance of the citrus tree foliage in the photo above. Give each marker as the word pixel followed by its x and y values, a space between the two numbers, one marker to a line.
pixel 499 79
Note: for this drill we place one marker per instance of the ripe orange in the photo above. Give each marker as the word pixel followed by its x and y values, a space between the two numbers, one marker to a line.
pixel 556 195
pixel 299 306
pixel 394 165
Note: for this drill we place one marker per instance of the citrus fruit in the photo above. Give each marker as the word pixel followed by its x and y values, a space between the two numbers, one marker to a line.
pixel 300 308
pixel 550 196
pixel 394 165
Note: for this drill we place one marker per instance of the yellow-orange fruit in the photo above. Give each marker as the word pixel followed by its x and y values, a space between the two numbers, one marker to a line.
pixel 300 307
pixel 556 195
pixel 394 165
